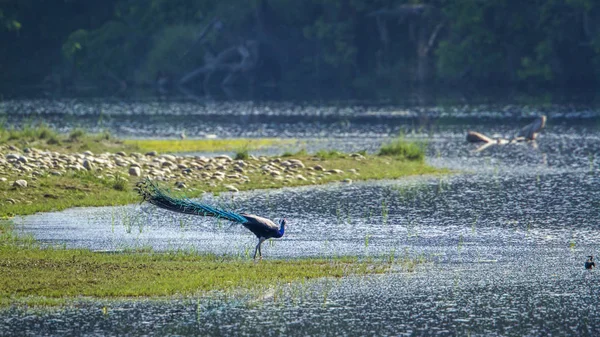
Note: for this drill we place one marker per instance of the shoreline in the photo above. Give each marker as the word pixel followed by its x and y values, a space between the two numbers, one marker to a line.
pixel 60 177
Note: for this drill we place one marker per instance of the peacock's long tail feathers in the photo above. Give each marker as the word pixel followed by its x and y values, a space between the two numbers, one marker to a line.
pixel 151 193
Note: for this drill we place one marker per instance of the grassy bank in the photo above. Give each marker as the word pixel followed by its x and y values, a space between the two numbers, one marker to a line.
pixel 48 190
pixel 76 189
pixel 55 276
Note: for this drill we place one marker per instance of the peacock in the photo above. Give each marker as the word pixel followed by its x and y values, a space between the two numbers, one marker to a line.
pixel 263 228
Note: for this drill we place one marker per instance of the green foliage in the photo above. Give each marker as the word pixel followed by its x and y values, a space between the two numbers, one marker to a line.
pixel 511 41
pixel 170 54
pixel 73 46
pixel 103 54
pixel 329 41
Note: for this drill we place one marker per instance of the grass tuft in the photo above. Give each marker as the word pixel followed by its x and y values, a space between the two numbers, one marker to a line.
pixel 120 183
pixel 331 154
pixel 301 152
pixel 401 148
pixel 242 155
pixel 76 135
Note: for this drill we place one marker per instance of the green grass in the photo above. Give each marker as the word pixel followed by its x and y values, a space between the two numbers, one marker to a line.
pixel 78 140
pixel 53 193
pixel 330 154
pixel 301 152
pixel 206 145
pixel 56 276
pixel 401 148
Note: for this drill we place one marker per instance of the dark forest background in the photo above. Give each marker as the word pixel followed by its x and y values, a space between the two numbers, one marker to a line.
pixel 357 43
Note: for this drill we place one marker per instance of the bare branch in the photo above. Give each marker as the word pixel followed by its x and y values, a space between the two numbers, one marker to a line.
pixel 433 37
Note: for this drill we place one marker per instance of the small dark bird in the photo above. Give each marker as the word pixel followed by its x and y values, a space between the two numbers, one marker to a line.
pixel 261 227
pixel 590 264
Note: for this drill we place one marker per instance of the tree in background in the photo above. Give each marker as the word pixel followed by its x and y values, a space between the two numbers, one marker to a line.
pixel 368 44
pixel 510 41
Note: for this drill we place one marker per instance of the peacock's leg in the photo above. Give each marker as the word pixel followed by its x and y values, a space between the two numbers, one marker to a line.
pixel 260 241
pixel 256 249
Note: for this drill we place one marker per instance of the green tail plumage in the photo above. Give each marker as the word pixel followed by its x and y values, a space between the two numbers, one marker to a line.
pixel 151 193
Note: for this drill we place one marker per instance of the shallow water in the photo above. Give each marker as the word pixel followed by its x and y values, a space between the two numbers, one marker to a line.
pixel 506 240
pixel 169 118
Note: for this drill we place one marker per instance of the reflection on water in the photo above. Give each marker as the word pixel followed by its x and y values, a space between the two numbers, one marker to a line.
pixel 507 239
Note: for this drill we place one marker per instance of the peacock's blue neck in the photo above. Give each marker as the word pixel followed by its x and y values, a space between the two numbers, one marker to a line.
pixel 282 229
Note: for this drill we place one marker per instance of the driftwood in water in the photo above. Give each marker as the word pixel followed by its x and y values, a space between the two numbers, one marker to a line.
pixel 530 131
pixel 527 133
pixel 476 137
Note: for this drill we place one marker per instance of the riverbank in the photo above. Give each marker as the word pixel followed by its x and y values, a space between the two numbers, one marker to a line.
pixel 41 171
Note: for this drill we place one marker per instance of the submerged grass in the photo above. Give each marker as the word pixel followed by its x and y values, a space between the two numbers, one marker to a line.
pixel 56 276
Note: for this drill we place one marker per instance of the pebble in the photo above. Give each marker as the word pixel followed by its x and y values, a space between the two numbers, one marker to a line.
pixel 21 183
pixel 87 164
pixel 231 188
pixel 213 170
pixel 135 171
